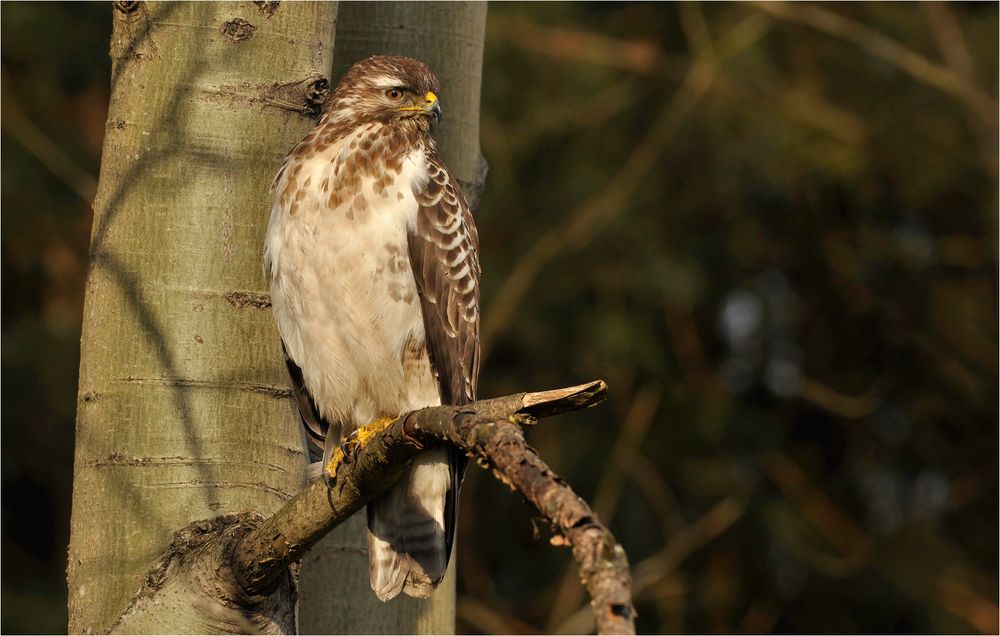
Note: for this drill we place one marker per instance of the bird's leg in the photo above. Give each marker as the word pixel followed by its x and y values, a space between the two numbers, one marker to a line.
pixel 368 431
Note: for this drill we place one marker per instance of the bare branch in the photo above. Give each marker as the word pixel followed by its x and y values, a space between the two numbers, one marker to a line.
pixel 486 619
pixel 602 563
pixel 583 223
pixel 587 47
pixel 909 61
pixel 610 487
pixel 378 454
pixel 244 564
pixel 33 139
pixel 661 564
pixel 951 42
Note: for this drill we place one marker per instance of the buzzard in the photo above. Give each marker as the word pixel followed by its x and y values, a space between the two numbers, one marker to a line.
pixel 373 261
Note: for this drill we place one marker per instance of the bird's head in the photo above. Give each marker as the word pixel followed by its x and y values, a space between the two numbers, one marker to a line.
pixel 387 89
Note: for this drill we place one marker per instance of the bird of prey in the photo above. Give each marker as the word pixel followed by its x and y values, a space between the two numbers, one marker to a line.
pixel 373 260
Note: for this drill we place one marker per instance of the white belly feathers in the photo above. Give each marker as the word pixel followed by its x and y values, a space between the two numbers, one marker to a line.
pixel 343 294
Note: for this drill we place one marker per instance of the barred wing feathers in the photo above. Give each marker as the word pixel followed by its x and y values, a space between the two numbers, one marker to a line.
pixel 444 255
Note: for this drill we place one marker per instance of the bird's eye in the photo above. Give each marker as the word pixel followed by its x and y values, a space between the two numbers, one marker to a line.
pixel 394 94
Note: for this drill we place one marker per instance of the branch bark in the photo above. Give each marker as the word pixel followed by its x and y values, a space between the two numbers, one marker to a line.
pixel 376 458
pixel 253 558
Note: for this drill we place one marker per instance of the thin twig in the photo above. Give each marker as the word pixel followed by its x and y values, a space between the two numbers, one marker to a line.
pixel 947 34
pixel 846 406
pixel 485 618
pixel 628 445
pixel 834 524
pixel 609 489
pixel 663 563
pixel 42 147
pixel 907 60
pixel 954 80
pixel 582 224
pixel 588 47
pixel 589 112
pixel 951 42
pixel 646 476
pixel 963 601
pixel 703 531
pixel 697 35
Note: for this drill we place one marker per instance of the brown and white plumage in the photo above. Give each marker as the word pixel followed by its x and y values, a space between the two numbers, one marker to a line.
pixel 372 255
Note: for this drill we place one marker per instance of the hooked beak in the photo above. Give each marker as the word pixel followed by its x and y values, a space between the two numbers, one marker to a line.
pixel 432 106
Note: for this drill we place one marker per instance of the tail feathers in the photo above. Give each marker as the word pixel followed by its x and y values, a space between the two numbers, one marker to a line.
pixel 407 549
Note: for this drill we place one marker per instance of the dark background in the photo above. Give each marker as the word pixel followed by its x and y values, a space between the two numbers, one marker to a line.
pixel 772 231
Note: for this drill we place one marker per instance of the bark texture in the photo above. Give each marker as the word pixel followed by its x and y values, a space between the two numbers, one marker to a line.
pixel 182 411
pixel 448 37
pixel 376 458
pixel 240 568
pixel 489 432
pixel 191 590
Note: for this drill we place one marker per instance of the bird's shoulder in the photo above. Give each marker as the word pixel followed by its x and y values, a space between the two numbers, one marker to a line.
pixel 444 213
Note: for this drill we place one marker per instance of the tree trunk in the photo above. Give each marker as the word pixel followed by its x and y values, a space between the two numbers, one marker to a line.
pixel 183 411
pixel 448 37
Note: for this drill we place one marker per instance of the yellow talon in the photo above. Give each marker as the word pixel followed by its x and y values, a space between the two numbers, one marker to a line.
pixel 369 431
pixel 361 436
pixel 335 459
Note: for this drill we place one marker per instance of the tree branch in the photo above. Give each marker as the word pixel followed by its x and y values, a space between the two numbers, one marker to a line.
pixel 907 60
pixel 248 559
pixel 488 431
pixel 582 224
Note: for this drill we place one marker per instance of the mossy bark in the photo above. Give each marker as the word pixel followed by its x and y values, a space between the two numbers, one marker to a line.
pixel 182 411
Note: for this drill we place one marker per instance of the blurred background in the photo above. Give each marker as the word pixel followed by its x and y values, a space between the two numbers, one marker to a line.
pixel 772 229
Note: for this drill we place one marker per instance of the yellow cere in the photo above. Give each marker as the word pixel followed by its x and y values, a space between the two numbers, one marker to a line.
pixel 429 100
